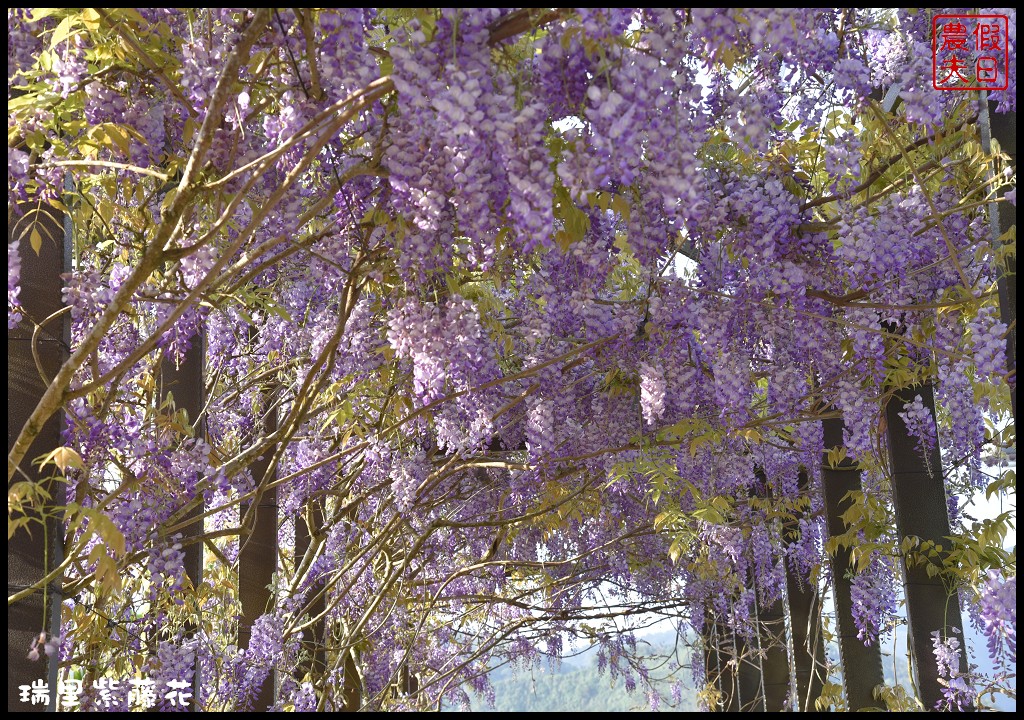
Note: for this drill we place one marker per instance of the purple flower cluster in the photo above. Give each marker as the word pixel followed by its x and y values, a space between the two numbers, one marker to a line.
pixel 957 691
pixel 17 173
pixel 345 63
pixel 201 63
pixel 173 664
pixel 987 333
pixel 998 610
pixel 920 424
pixel 164 568
pixel 652 392
pixel 873 594
pixel 407 476
pixel 13 284
pixel 539 270
pixel 23 45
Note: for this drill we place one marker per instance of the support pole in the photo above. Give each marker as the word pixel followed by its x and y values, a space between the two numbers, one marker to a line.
pixel 31 552
pixel 862 665
pixel 919 500
pixel 749 675
pixel 313 641
pixel 805 621
pixel 257 557
pixel 771 622
pixel 772 637
pixel 1002 127
pixel 728 677
pixel 709 647
pixel 184 381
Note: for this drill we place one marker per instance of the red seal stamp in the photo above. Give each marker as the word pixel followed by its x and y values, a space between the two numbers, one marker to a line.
pixel 969 52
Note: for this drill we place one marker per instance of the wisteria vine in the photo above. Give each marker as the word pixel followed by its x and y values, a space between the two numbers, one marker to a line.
pixel 532 314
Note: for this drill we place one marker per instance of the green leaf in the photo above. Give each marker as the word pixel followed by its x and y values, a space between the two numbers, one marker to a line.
pixel 91 19
pixel 63 31
pixel 108 576
pixel 38 14
pixel 675 550
pixel 710 515
pixel 35 240
pixel 63 458
pixel 105 530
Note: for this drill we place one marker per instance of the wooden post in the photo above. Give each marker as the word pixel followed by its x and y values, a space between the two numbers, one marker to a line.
pixel 184 381
pixel 709 647
pixel 719 650
pixel 313 642
pixel 862 665
pixel 919 500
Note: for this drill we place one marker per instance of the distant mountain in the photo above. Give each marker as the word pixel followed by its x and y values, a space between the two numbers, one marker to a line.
pixel 576 685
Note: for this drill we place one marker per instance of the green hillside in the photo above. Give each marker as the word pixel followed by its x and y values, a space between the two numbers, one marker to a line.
pixel 577 686
pixel 577 690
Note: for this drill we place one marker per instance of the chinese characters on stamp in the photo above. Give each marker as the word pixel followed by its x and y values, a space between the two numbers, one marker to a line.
pixel 969 52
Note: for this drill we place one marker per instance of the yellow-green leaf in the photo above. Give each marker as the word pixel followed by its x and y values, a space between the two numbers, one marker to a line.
pixel 63 31
pixel 91 19
pixel 63 458
pixel 35 240
pixel 106 531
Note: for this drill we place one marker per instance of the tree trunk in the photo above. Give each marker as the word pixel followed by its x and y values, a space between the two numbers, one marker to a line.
pixel 28 559
pixel 1002 127
pixel 184 381
pixel 771 631
pixel 919 499
pixel 719 651
pixel 728 678
pixel 709 643
pixel 749 675
pixel 862 665
pixel 805 620
pixel 771 622
pixel 313 642
pixel 257 557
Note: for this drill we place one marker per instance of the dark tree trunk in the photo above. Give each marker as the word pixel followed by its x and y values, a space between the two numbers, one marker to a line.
pixel 709 642
pixel 749 675
pixel 862 665
pixel 805 620
pixel 313 641
pixel 28 561
pixel 728 678
pixel 771 631
pixel 808 640
pixel 257 557
pixel 1003 128
pixel 771 622
pixel 919 499
pixel 719 651
pixel 184 381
